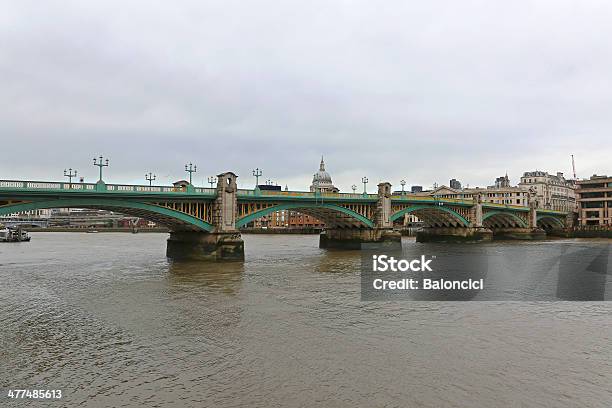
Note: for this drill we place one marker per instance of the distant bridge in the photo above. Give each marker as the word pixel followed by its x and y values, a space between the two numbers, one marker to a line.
pixel 12 222
pixel 348 217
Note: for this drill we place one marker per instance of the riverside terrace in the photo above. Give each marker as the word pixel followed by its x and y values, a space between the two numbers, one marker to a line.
pixel 204 222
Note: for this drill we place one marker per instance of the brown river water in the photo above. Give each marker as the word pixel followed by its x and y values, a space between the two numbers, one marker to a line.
pixel 111 322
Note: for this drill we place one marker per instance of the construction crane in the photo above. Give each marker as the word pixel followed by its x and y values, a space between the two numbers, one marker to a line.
pixel 573 167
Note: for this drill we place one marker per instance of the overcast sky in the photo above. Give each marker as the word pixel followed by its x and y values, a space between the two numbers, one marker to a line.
pixel 420 90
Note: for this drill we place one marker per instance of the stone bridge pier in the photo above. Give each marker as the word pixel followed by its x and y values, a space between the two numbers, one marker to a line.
pixel 354 238
pixel 225 241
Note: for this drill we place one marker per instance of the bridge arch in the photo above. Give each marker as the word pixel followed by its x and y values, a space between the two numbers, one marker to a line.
pixel 502 219
pixel 326 212
pixel 549 222
pixel 173 219
pixel 435 216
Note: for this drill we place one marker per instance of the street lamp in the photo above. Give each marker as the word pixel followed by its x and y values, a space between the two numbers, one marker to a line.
pixel 364 180
pixel 403 183
pixel 100 164
pixel 150 177
pixel 257 173
pixel 191 169
pixel 212 180
pixel 354 187
pixel 70 175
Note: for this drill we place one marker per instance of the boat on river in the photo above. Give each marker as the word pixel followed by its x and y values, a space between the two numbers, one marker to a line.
pixel 13 234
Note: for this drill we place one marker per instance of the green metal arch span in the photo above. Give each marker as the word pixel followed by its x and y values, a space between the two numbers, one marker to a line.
pixel 106 203
pixel 434 207
pixel 552 218
pixel 515 217
pixel 296 206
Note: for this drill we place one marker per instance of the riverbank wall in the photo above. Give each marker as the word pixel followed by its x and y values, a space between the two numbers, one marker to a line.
pixel 281 231
pixel 65 229
pixel 166 230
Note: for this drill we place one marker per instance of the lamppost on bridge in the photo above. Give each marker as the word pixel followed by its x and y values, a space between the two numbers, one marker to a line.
pixel 403 183
pixel 150 177
pixel 257 173
pixel 191 169
pixel 70 175
pixel 100 164
pixel 364 180
pixel 212 180
pixel 354 187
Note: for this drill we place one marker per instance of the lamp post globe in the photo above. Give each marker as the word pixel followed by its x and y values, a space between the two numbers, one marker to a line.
pixel 100 163
pixel 257 173
pixel 70 175
pixel 150 177
pixel 212 180
pixel 364 180
pixel 191 169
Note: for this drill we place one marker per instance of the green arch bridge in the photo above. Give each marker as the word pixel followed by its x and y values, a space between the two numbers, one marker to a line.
pixel 205 222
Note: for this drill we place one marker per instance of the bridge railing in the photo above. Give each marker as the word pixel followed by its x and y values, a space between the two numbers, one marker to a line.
pixel 62 186
pixel 44 185
pixel 268 193
pixel 157 189
pixel 205 190
pixel 349 195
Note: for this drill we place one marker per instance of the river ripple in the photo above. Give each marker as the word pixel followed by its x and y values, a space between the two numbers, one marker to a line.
pixel 107 319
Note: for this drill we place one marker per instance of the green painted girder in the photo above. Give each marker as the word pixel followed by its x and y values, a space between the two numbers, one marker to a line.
pixel 502 207
pixel 107 203
pixel 442 208
pixel 507 214
pixel 304 205
pixel 552 212
pixel 551 217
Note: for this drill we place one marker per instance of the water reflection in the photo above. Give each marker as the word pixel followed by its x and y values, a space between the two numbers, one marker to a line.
pixel 334 261
pixel 225 277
